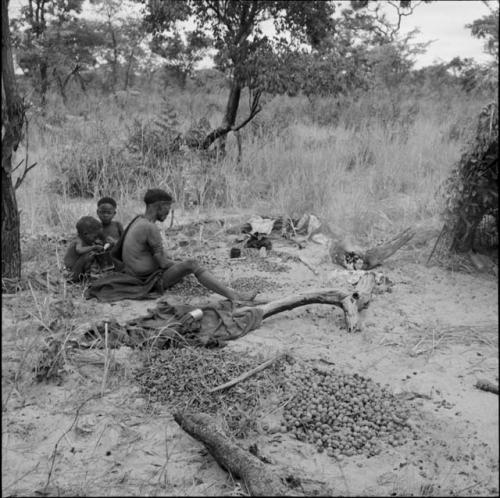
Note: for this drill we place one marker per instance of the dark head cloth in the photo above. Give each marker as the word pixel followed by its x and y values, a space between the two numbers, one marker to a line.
pixel 157 195
pixel 88 224
pixel 106 200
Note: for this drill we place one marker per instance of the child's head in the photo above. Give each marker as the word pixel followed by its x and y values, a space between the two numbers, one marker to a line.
pixel 106 209
pixel 89 229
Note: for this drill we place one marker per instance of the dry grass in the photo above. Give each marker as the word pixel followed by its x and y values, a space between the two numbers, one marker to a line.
pixel 427 340
pixel 360 172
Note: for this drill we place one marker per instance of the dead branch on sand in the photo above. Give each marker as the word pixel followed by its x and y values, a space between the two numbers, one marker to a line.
pixel 486 385
pixel 258 479
pixel 350 301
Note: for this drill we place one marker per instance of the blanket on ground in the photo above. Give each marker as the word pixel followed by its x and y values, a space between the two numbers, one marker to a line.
pixel 172 326
pixel 117 285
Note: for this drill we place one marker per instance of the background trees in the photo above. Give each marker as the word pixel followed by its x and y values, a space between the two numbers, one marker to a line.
pixel 13 111
pixel 333 53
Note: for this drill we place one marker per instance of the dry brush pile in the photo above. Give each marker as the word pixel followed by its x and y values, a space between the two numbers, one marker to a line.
pixel 341 414
pixel 471 192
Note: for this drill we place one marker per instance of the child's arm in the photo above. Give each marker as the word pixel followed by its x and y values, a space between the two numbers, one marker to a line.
pixel 81 248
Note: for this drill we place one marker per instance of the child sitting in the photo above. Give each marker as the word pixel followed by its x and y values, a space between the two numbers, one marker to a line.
pixel 82 251
pixel 112 230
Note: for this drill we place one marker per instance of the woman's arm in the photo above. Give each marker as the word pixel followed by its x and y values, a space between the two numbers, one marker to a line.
pixel 156 246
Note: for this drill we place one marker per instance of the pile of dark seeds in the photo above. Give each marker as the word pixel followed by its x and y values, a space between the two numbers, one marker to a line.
pixel 189 287
pixel 258 284
pixel 253 258
pixel 181 379
pixel 343 414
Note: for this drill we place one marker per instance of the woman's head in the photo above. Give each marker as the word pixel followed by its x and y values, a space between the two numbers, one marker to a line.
pixel 158 203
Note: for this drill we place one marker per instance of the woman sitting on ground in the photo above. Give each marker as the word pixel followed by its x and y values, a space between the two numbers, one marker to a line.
pixel 141 250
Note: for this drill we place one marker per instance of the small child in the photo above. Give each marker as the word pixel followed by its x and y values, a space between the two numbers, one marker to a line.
pixel 81 252
pixel 112 230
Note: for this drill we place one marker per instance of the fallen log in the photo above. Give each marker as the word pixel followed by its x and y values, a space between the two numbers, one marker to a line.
pixel 257 477
pixel 353 257
pixel 486 385
pixel 350 301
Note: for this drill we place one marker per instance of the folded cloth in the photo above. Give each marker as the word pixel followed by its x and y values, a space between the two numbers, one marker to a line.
pixel 117 285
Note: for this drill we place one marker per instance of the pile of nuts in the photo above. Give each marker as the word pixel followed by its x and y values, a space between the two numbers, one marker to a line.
pixel 344 414
pixel 257 284
pixel 340 414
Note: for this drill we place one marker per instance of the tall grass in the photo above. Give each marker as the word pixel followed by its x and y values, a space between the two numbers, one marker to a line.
pixel 369 163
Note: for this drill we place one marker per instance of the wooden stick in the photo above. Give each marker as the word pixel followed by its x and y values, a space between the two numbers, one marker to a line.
pixel 257 477
pixel 486 385
pixel 248 374
pixel 302 260
pixel 106 359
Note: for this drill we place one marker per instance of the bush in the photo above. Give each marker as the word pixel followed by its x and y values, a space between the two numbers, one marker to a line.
pixel 87 173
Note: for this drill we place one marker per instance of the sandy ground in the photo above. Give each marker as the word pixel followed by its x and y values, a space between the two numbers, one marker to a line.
pixel 432 336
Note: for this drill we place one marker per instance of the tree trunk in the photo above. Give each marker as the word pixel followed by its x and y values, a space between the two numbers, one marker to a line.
pixel 61 85
pixel 11 245
pixel 233 102
pixel 127 71
pixel 114 62
pixel 44 81
pixel 256 476
pixel 11 136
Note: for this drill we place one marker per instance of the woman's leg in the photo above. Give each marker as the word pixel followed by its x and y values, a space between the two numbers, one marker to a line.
pixel 178 271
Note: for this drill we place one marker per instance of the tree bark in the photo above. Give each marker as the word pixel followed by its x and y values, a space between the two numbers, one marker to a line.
pixel 256 476
pixel 11 245
pixel 128 69
pixel 44 81
pixel 11 136
pixel 340 250
pixel 232 105
pixel 351 301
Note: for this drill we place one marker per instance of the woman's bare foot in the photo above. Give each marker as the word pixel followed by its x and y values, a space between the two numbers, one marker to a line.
pixel 244 297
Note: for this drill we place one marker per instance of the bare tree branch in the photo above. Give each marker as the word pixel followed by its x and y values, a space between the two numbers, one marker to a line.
pixel 255 108
pixel 25 172
pixel 20 162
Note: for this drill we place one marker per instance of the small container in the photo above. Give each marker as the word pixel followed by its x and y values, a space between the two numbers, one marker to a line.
pixel 235 252
pixel 197 314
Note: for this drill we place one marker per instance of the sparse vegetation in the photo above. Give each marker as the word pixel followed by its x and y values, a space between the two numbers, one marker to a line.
pixel 348 131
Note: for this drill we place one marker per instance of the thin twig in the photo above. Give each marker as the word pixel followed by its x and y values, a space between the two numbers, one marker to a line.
pixel 21 478
pixel 106 359
pixel 54 453
pixel 25 172
pixel 248 374
pixel 302 260
pixel 19 164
